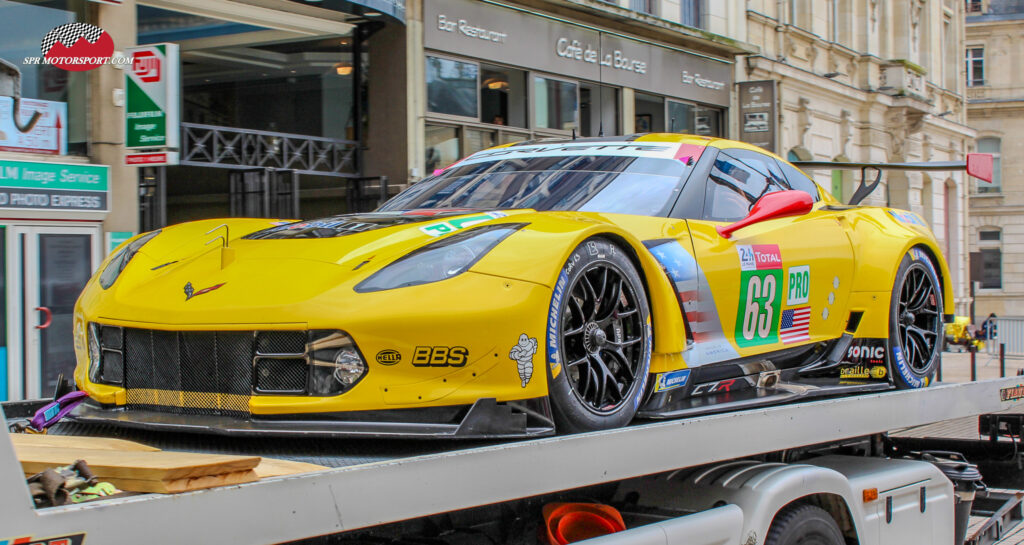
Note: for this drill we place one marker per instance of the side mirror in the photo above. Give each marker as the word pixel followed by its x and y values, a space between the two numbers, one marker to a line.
pixel 979 165
pixel 780 204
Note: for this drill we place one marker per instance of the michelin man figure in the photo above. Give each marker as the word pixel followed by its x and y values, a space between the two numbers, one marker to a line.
pixel 523 354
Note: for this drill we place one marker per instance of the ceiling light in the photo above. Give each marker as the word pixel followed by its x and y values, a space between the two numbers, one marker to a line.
pixel 343 68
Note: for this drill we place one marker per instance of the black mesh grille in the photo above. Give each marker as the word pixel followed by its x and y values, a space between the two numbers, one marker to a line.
pixel 281 375
pixel 189 372
pixel 281 342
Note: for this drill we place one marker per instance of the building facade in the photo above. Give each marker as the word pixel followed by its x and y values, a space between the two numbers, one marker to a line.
pixel 994 47
pixel 872 81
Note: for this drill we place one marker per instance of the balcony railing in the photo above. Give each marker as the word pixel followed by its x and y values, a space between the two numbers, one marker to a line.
pixel 230 147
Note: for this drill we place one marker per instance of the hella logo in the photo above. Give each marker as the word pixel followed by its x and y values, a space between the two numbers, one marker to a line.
pixel 388 357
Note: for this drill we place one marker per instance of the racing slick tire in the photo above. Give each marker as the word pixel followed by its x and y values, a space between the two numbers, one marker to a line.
pixel 598 339
pixel 804 524
pixel 915 322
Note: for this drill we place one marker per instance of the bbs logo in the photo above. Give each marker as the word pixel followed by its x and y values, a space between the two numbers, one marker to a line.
pixel 440 356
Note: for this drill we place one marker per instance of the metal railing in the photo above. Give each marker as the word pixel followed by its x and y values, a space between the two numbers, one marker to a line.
pixel 230 147
pixel 1010 332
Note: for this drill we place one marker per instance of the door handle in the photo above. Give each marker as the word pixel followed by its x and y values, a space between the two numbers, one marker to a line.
pixel 49 318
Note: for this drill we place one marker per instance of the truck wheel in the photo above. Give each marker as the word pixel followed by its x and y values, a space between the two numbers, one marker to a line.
pixel 598 339
pixel 915 322
pixel 804 525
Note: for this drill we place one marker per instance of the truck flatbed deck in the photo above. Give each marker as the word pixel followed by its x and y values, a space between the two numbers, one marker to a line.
pixel 393 482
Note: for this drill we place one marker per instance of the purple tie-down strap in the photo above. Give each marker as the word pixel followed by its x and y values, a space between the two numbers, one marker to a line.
pixel 53 412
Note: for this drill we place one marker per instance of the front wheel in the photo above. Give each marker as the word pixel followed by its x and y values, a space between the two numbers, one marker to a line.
pixel 599 339
pixel 804 524
pixel 915 322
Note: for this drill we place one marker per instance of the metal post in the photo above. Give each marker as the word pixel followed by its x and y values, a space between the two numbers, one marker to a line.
pixel 358 35
pixel 974 364
pixel 1002 360
pixel 938 370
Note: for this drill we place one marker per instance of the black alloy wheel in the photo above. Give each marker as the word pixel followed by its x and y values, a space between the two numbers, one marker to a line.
pixel 915 322
pixel 603 339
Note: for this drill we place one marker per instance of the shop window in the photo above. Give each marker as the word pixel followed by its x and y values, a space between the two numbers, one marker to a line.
pixel 477 139
pixel 22 27
pixel 975 66
pixel 452 87
pixel 442 147
pixel 994 146
pixel 973 7
pixel 991 268
pixel 502 96
pixel 708 122
pixel 599 110
pixel 650 113
pixel 681 117
pixel 556 105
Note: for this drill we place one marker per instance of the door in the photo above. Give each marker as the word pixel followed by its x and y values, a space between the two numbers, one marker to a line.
pixel 779 283
pixel 47 269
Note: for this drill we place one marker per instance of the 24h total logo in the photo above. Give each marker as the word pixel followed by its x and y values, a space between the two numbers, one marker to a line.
pixel 77 47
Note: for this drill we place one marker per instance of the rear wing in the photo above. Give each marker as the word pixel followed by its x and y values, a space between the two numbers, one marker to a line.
pixel 978 165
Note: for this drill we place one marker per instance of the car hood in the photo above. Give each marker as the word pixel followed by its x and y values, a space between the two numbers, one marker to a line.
pixel 187 270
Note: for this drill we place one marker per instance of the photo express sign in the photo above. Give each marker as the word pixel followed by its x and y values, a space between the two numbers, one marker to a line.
pixel 54 186
pixel 152 86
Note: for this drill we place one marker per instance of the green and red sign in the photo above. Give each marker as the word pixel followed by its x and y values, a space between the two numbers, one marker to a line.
pixel 757 321
pixel 151 97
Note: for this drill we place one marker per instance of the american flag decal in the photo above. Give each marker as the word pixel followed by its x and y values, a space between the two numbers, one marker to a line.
pixel 795 326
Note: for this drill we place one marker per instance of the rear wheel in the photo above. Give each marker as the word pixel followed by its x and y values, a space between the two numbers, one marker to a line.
pixel 804 525
pixel 599 342
pixel 915 322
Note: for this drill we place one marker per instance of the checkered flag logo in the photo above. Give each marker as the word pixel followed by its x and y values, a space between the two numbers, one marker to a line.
pixel 69 34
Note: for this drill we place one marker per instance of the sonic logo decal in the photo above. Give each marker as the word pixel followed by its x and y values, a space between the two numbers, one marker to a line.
pixel 523 353
pixel 190 292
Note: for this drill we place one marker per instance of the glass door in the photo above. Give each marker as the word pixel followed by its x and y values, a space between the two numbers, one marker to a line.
pixel 50 266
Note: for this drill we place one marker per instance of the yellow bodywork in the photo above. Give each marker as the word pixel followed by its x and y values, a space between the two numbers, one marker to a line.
pixel 307 284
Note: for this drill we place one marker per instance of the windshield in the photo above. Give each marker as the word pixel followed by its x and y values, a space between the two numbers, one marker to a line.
pixel 592 183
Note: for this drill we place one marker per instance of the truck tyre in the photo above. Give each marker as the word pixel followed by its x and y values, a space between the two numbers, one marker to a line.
pixel 915 322
pixel 804 524
pixel 598 339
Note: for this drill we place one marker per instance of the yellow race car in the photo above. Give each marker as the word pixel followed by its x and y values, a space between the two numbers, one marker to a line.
pixel 556 285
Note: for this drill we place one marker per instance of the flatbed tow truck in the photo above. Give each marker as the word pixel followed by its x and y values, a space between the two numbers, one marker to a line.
pixel 744 478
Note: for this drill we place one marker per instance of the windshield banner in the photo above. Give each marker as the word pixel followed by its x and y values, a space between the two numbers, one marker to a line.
pixel 657 150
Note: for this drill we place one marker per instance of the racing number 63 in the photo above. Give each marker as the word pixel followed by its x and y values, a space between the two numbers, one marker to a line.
pixel 757 320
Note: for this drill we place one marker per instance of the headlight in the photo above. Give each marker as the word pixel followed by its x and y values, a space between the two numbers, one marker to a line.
pixel 440 260
pixel 121 259
pixel 335 364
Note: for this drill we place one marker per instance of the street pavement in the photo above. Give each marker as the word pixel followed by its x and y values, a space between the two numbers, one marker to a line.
pixel 956 366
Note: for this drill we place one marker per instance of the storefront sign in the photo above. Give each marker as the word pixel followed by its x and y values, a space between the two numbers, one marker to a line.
pixel 152 94
pixel 53 186
pixel 49 135
pixel 492 32
pixel 151 159
pixel 758 115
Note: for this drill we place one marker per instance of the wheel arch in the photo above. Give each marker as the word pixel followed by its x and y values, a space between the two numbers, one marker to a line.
pixel 833 504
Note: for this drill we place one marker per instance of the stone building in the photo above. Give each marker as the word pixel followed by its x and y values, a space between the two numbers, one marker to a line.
pixel 876 81
pixel 995 92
